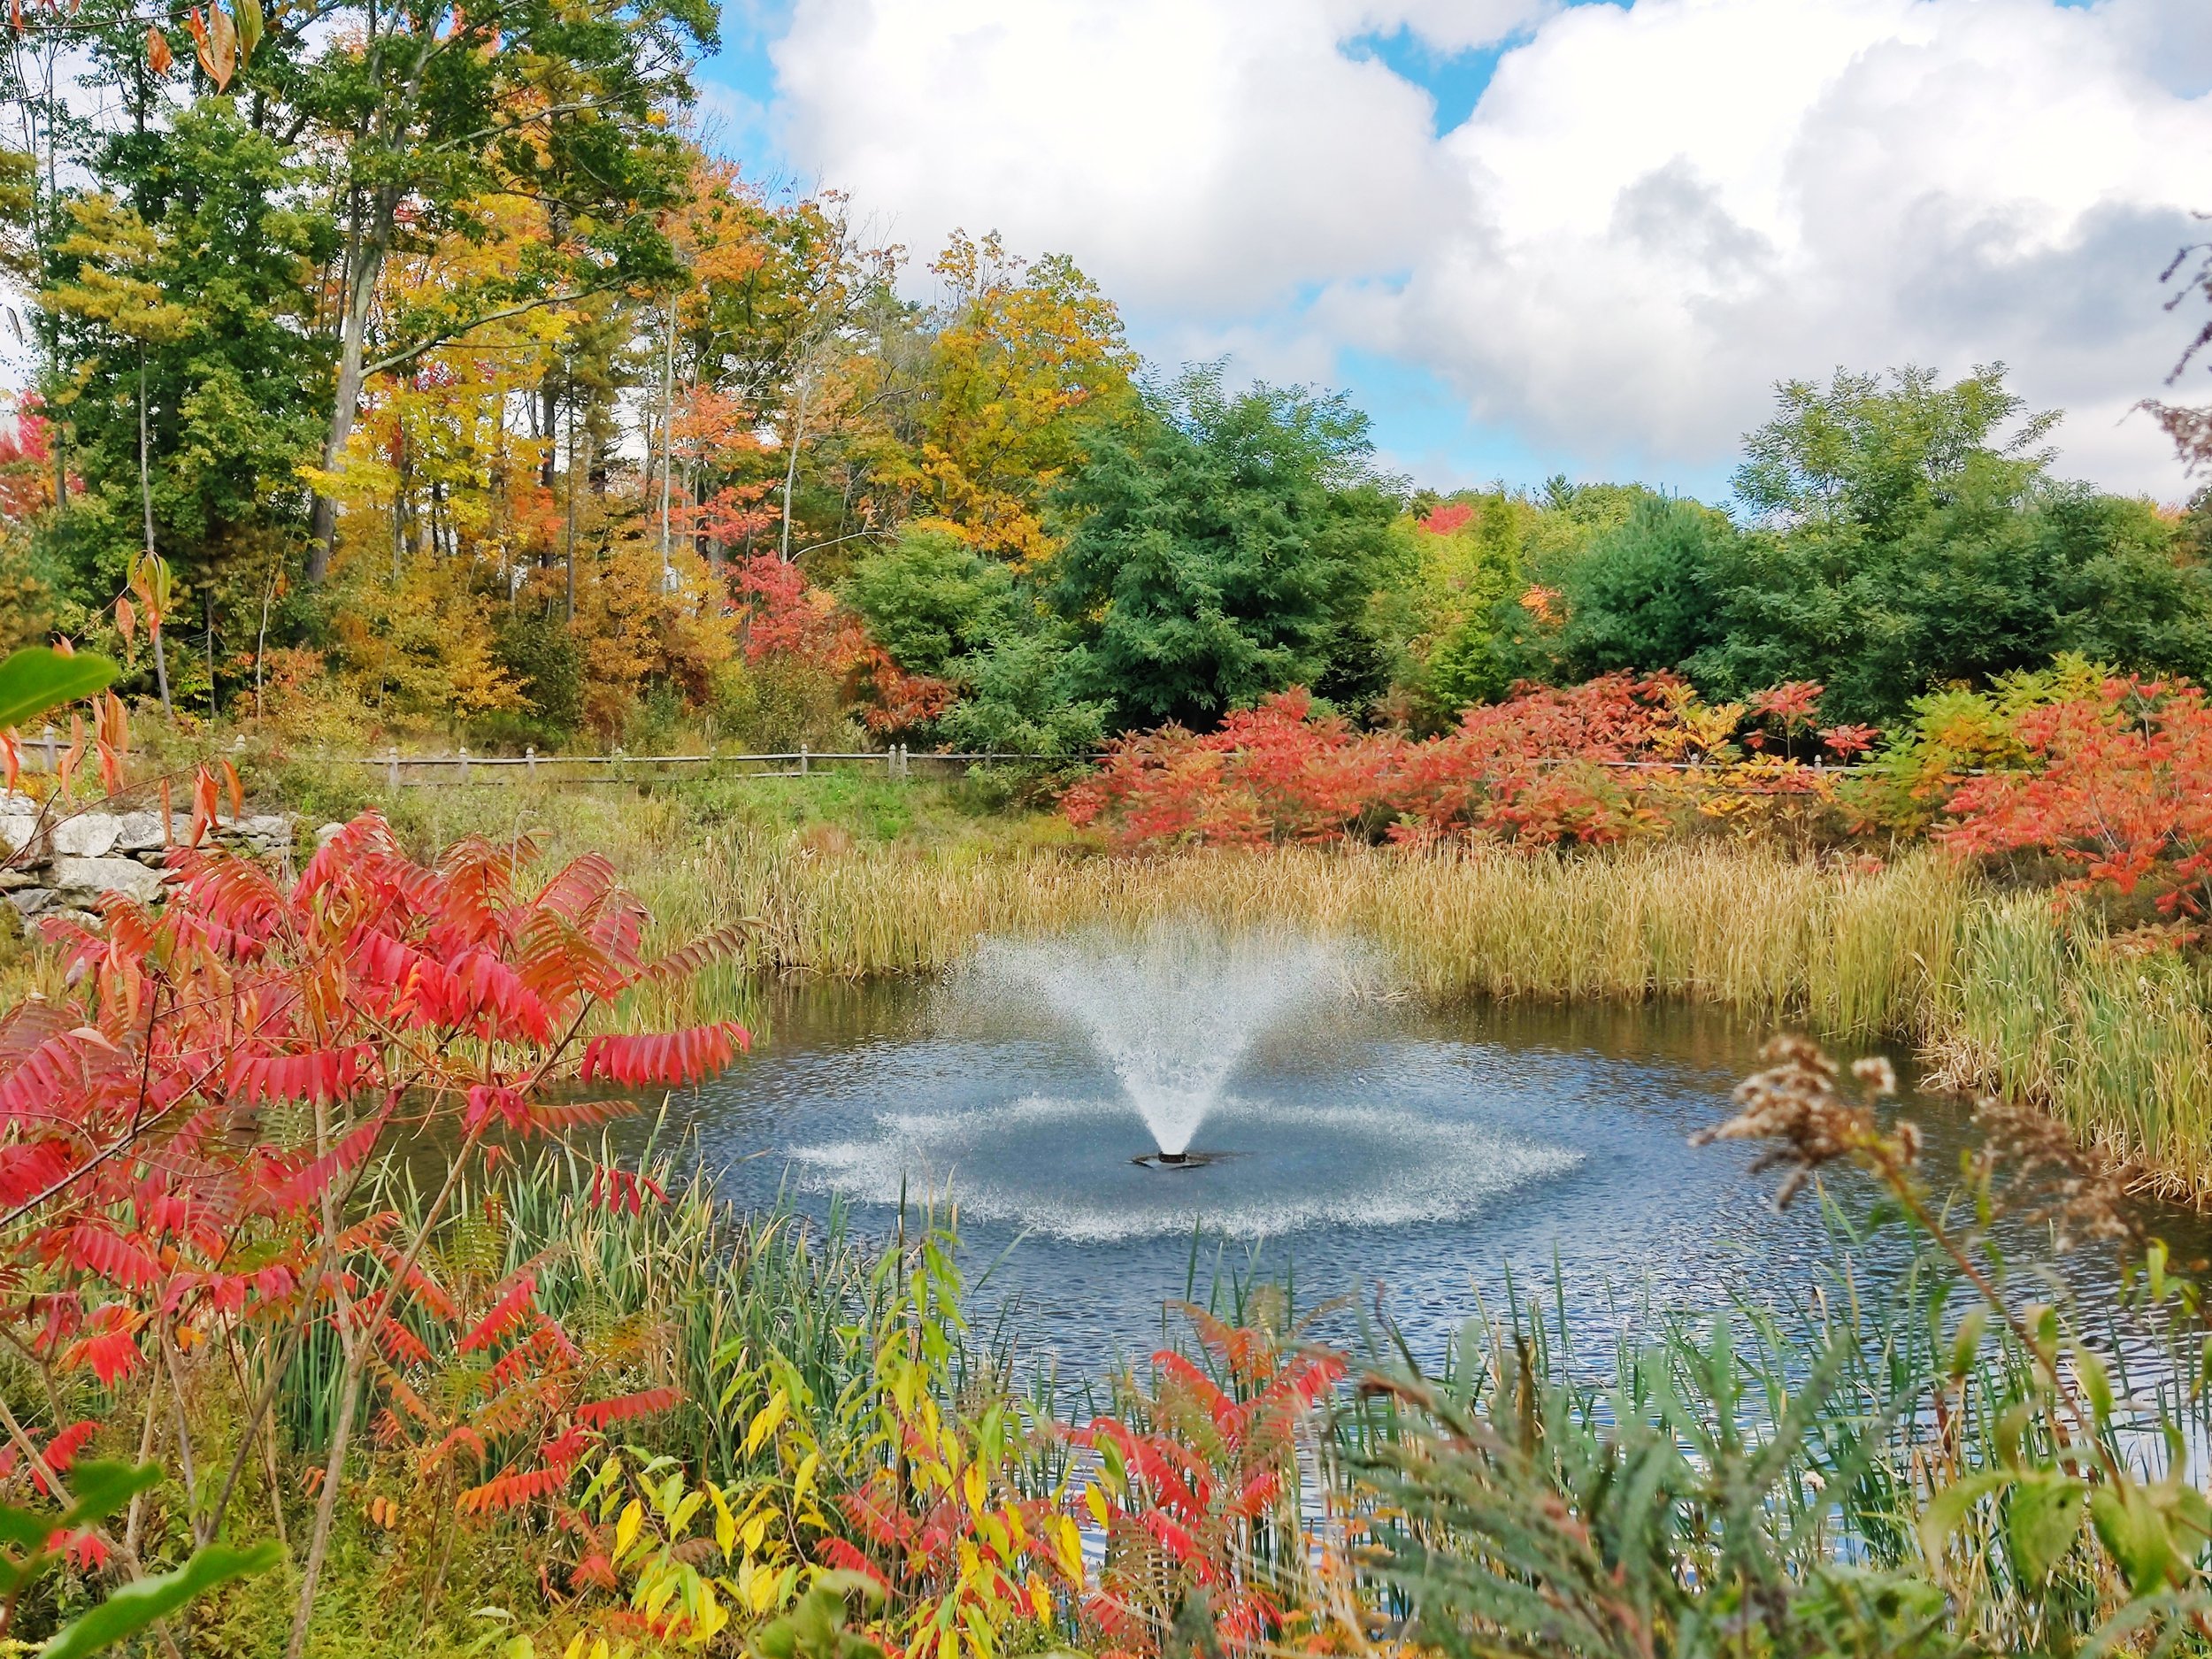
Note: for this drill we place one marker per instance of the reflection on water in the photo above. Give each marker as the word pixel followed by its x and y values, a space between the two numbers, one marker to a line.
pixel 1371 1150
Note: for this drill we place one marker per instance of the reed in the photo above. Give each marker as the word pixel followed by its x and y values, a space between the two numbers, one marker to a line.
pixel 1999 991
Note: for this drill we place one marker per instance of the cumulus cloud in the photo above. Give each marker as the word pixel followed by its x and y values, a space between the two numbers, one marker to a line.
pixel 1653 213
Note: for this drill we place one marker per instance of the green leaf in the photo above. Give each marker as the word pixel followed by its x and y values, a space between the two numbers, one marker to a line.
pixel 1946 1510
pixel 2096 1381
pixel 38 678
pixel 101 1488
pixel 1968 1340
pixel 137 1605
pixel 250 23
pixel 2136 1535
pixel 2042 1523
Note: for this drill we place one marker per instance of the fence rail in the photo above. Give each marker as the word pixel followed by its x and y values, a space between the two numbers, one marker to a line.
pixel 461 767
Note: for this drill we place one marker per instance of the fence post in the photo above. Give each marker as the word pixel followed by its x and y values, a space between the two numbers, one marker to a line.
pixel 51 762
pixel 906 769
pixel 391 767
pixel 802 760
pixel 530 762
pixel 464 762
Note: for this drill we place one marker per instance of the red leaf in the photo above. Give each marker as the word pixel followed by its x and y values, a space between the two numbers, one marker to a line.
pixel 113 1357
pixel 598 1413
pixel 665 1059
pixel 504 1313
pixel 511 1491
pixel 308 1183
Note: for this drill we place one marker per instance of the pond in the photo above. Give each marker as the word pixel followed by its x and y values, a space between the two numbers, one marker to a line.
pixel 1361 1145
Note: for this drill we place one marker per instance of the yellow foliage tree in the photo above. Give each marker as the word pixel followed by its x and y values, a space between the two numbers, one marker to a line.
pixel 1025 355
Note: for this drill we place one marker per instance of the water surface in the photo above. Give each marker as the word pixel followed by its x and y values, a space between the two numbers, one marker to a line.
pixel 1409 1157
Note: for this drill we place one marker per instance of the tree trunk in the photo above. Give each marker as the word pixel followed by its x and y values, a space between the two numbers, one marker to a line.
pixel 571 511
pixel 791 465
pixel 668 409
pixel 146 496
pixel 364 265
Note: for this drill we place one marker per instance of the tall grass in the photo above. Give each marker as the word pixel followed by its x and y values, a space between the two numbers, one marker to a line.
pixel 1996 989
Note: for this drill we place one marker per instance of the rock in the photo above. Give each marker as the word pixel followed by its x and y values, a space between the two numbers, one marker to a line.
pixel 85 835
pixel 93 876
pixel 138 832
pixel 31 901
pixel 11 879
pixel 16 804
pixel 83 918
pixel 266 826
pixel 327 833
pixel 16 830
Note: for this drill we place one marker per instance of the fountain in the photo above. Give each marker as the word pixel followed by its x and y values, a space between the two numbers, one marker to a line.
pixel 1116 1086
pixel 1173 1011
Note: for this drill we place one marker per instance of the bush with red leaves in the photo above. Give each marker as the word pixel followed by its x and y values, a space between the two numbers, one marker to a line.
pixel 2119 784
pixel 1587 764
pixel 183 1135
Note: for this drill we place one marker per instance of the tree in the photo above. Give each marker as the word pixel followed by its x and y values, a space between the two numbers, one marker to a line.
pixel 1644 594
pixel 1223 546
pixel 193 388
pixel 1026 359
pixel 1906 542
pixel 929 598
pixel 1858 460
pixel 437 115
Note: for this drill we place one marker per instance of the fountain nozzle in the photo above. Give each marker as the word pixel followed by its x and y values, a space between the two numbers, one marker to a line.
pixel 1176 1160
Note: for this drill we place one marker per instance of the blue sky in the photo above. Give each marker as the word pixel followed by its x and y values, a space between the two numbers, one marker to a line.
pixel 1530 237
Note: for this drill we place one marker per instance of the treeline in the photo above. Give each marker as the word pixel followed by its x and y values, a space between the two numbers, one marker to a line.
pixel 423 380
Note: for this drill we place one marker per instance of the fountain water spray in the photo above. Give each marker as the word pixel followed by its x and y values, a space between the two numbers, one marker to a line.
pixel 1174 1010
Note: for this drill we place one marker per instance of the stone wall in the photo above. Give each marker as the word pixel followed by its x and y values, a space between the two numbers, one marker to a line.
pixel 63 865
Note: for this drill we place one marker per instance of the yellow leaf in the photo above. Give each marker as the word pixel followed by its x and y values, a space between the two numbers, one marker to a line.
pixel 948 1643
pixel 724 1522
pixel 575 1649
pixel 761 1591
pixel 625 1529
pixel 1095 1501
pixel 971 1483
pixel 765 1424
pixel 1070 1542
pixel 755 1530
pixel 803 1481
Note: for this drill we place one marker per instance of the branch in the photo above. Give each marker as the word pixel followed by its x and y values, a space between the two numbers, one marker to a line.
pixel 399 359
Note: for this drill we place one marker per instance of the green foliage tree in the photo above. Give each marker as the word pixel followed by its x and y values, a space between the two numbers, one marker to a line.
pixel 1910 537
pixel 931 597
pixel 1645 594
pixel 1017 700
pixel 194 391
pixel 1224 545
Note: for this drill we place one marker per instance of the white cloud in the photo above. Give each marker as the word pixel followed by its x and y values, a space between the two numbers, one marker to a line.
pixel 1653 214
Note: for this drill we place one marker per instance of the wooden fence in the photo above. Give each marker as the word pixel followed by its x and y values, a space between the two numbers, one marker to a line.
pixel 463 768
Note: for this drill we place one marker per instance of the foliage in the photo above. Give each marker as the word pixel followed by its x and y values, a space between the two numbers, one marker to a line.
pixel 1544 767
pixel 1198 1488
pixel 2116 786
pixel 1223 547
pixel 36 682
pixel 930 599
pixel 1024 359
pixel 1644 596
pixel 212 1092
pixel 1911 544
